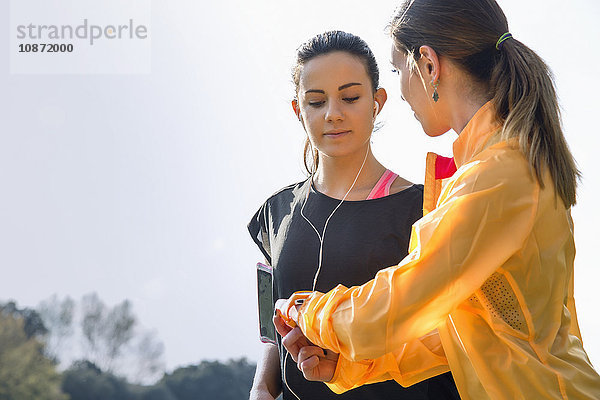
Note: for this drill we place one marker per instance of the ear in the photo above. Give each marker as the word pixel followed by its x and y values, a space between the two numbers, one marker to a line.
pixel 296 108
pixel 380 97
pixel 429 64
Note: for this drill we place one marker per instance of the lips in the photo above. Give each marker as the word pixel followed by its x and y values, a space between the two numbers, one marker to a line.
pixel 337 133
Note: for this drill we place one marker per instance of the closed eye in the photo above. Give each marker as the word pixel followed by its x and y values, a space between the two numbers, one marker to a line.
pixel 316 104
pixel 351 99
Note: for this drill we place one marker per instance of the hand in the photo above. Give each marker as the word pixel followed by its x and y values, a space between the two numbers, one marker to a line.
pixel 316 364
pixel 292 338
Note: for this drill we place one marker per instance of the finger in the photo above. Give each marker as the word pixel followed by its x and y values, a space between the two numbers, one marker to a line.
pixel 294 341
pixel 297 338
pixel 307 352
pixel 282 328
pixel 308 366
pixel 281 305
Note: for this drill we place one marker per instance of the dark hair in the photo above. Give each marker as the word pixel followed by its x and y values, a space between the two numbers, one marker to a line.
pixel 326 43
pixel 515 78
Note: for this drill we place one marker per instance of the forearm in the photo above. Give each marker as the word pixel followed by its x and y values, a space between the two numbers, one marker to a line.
pixel 416 361
pixel 267 379
pixel 455 249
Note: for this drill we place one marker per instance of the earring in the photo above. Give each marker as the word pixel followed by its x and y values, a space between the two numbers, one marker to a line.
pixel 435 85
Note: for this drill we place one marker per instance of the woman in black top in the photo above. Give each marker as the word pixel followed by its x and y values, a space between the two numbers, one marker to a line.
pixel 352 208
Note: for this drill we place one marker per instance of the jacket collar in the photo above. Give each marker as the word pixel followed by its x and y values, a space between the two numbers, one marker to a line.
pixel 478 132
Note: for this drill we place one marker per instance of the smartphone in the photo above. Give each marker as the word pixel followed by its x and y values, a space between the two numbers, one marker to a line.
pixel 264 283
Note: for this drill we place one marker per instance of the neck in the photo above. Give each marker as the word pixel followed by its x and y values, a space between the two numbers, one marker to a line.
pixel 463 112
pixel 335 175
pixel 463 98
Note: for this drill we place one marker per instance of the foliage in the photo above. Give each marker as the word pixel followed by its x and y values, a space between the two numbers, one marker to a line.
pixel 111 337
pixel 106 331
pixel 85 381
pixel 212 380
pixel 33 325
pixel 157 392
pixel 25 373
pixel 57 316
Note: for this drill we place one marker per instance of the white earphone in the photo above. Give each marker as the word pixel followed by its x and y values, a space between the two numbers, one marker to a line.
pixel 376 111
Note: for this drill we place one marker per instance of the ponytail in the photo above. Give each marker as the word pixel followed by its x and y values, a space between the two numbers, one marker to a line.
pixel 525 99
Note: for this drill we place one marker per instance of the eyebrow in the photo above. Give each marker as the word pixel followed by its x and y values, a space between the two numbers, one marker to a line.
pixel 347 85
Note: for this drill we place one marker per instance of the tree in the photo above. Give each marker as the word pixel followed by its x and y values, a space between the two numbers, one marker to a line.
pixel 105 330
pixel 33 325
pixel 110 337
pixel 156 392
pixel 85 381
pixel 25 373
pixel 117 330
pixel 212 380
pixel 57 316
pixel 148 361
pixel 92 325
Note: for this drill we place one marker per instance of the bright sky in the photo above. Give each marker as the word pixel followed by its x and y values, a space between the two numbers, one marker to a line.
pixel 140 186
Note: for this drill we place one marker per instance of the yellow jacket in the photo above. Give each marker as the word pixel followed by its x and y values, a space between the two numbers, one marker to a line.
pixel 487 289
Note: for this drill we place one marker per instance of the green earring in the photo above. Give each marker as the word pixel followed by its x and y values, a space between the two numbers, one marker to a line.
pixel 435 85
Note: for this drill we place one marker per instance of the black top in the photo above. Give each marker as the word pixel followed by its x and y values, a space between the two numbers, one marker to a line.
pixel 361 238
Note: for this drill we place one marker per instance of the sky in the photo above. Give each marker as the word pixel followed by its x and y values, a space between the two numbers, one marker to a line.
pixel 139 185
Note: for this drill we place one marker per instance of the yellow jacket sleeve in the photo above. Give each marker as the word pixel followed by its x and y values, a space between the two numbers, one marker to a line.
pixel 414 362
pixel 484 215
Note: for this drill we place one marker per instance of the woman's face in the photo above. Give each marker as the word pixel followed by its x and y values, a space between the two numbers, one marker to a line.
pixel 336 104
pixel 417 91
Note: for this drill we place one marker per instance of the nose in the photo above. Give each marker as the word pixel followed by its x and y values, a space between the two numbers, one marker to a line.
pixel 333 112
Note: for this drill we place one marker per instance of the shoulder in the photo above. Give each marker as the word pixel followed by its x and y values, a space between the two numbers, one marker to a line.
pixel 407 202
pixel 413 199
pixel 287 193
pixel 501 169
pixel 504 161
pixel 410 191
pixel 270 214
pixel 400 184
pixel 416 188
pixel 283 198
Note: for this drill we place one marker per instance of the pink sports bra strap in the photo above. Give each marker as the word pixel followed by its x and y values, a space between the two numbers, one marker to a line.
pixel 382 187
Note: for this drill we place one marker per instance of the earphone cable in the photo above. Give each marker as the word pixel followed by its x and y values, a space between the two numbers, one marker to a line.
pixel 322 236
pixel 321 240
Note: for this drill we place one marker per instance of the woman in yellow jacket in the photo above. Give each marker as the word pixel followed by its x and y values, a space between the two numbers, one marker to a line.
pixel 487 289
